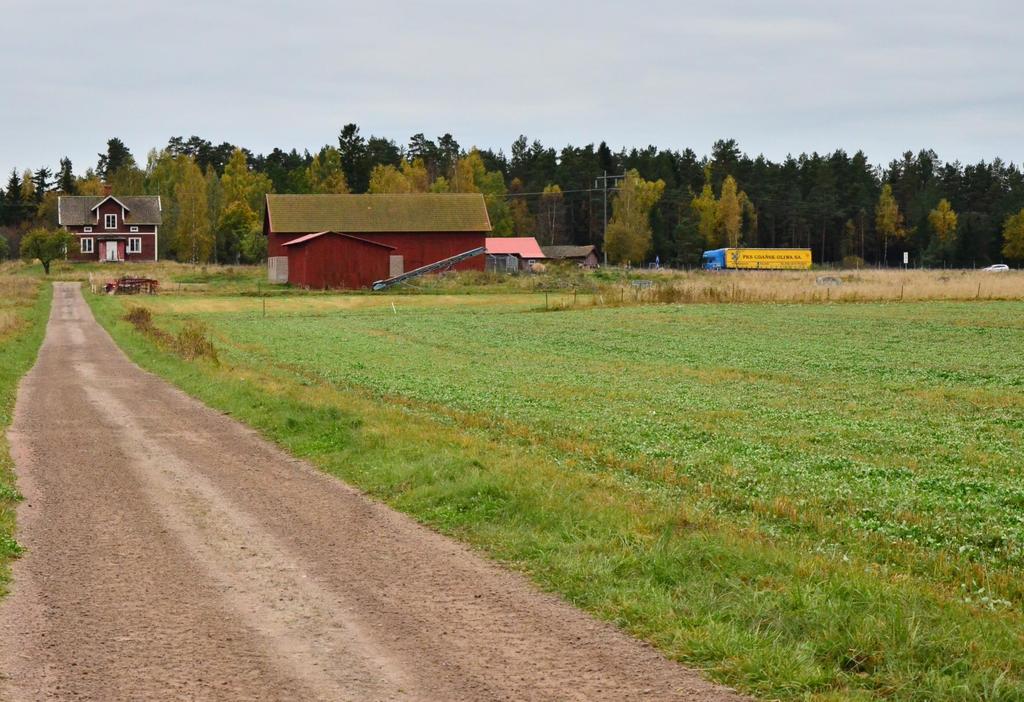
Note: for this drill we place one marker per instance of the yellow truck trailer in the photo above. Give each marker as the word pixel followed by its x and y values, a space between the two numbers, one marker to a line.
pixel 758 259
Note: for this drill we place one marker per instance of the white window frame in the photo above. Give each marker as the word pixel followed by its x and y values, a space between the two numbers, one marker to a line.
pixel 87 230
pixel 107 220
pixel 87 245
pixel 134 245
pixel 133 229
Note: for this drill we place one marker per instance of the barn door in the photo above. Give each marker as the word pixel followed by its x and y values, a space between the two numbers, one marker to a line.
pixel 111 250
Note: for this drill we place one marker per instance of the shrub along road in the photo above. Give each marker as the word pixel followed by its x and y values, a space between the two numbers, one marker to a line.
pixel 173 554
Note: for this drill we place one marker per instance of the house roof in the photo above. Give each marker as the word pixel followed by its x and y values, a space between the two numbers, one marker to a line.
pixel 79 209
pixel 310 237
pixel 358 214
pixel 568 251
pixel 522 246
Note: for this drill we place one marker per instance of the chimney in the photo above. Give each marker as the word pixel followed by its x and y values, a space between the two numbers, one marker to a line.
pixel 107 189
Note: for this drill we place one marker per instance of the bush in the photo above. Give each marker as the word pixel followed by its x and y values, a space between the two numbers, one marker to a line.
pixel 140 317
pixel 192 342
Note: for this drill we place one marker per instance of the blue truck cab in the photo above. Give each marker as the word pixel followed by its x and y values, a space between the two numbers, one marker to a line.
pixel 713 260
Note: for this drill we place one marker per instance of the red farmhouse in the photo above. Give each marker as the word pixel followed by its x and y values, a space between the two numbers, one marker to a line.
pixel 419 228
pixel 108 228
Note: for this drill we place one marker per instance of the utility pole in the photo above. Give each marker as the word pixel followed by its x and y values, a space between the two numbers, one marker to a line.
pixel 603 179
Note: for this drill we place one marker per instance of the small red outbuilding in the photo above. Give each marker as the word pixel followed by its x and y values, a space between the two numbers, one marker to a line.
pixel 336 260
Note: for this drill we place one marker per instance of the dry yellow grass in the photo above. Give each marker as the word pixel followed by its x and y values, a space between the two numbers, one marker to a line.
pixel 16 292
pixel 8 321
pixel 816 287
pixel 320 303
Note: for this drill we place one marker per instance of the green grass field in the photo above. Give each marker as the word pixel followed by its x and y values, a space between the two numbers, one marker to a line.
pixel 807 501
pixel 24 306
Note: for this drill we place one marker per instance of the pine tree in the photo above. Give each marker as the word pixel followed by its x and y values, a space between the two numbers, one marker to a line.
pixel 117 156
pixel 41 182
pixel 14 189
pixel 66 177
pixel 354 158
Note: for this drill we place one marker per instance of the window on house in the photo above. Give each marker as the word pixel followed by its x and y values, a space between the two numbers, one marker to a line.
pixel 87 244
pixel 86 229
pixel 110 221
pixel 133 229
pixel 135 244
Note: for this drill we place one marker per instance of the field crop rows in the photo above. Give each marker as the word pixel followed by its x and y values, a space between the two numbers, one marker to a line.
pixel 811 500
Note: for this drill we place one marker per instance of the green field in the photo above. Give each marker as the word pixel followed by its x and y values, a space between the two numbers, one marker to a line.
pixel 807 501
pixel 24 306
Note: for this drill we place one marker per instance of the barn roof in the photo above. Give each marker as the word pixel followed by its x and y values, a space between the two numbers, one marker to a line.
pixel 79 209
pixel 310 237
pixel 522 246
pixel 568 251
pixel 358 214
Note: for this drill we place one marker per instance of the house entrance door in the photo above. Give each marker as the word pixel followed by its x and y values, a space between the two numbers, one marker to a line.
pixel 111 250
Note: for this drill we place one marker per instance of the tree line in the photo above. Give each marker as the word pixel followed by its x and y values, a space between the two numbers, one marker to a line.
pixel 662 203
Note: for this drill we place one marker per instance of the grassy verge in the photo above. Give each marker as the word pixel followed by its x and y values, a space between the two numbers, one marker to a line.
pixel 24 306
pixel 865 546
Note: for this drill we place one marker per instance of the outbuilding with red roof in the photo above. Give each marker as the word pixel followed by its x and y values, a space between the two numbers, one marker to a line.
pixel 512 253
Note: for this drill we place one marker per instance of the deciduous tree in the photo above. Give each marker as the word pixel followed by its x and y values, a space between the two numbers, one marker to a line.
pixel 1013 237
pixel 730 212
pixel 888 220
pixel 705 207
pixel 240 184
pixel 629 230
pixel 552 214
pixel 326 173
pixel 46 245
pixel 193 235
pixel 943 222
pixel 469 175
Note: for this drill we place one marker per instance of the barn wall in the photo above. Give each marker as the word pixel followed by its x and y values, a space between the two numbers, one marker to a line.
pixel 420 248
pixel 416 248
pixel 336 262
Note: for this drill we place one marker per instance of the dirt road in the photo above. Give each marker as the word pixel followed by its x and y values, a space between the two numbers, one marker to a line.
pixel 173 555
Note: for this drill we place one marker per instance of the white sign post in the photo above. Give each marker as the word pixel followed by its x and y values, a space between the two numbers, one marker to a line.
pixel 906 258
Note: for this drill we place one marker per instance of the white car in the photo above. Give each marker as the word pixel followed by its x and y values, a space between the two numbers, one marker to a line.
pixel 997 268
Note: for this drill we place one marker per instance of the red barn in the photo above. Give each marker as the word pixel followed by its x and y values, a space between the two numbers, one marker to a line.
pixel 108 228
pixel 335 260
pixel 421 228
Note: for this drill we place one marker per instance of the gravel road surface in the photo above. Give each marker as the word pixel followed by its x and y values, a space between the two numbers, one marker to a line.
pixel 172 554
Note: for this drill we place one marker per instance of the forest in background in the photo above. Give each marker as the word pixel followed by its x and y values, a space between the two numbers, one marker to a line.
pixel 670 205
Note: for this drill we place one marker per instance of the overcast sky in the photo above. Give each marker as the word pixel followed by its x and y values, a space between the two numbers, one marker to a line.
pixel 780 77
